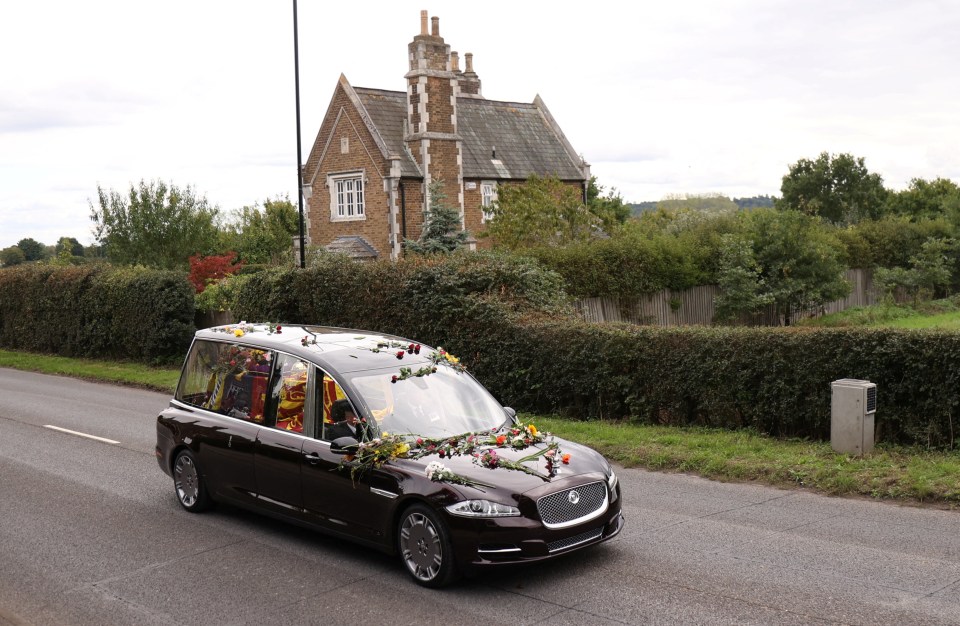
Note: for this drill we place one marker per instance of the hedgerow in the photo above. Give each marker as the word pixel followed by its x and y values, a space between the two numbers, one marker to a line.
pixel 96 311
pixel 509 322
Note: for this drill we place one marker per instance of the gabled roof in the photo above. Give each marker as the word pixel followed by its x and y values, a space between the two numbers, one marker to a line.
pixel 526 138
pixel 353 246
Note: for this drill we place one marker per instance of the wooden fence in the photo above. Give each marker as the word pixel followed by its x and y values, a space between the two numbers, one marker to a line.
pixel 695 306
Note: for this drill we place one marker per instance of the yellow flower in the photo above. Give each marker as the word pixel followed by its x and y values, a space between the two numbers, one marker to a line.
pixel 402 449
pixel 237 332
pixel 532 429
pixel 452 358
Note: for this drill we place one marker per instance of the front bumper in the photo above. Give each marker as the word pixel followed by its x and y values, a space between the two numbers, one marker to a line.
pixel 512 540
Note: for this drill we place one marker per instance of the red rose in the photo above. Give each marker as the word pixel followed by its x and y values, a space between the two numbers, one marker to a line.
pixel 501 439
pixel 393 379
pixel 400 354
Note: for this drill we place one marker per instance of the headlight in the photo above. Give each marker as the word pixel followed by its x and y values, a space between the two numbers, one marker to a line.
pixel 482 508
pixel 612 486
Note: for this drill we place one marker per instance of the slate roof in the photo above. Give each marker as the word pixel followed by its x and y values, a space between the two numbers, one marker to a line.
pixel 353 246
pixel 524 139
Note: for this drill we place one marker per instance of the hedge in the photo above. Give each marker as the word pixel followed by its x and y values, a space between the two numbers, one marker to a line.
pixel 96 311
pixel 509 322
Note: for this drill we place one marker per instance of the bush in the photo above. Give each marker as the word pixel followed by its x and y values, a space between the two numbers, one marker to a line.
pixel 507 321
pixel 96 311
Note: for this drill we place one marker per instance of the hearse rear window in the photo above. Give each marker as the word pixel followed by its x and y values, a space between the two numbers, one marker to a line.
pixel 230 379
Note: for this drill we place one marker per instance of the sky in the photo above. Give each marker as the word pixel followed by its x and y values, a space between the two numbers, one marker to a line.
pixel 661 98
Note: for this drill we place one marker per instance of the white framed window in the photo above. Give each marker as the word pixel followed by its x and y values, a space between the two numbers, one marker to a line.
pixel 488 195
pixel 346 197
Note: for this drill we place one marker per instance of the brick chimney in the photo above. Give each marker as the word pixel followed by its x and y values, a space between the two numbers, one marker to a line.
pixel 432 90
pixel 469 81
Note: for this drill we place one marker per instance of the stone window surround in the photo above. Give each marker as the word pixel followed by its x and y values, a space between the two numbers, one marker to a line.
pixel 334 182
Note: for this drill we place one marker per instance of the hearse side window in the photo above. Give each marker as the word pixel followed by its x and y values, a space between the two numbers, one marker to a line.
pixel 339 416
pixel 230 379
pixel 289 393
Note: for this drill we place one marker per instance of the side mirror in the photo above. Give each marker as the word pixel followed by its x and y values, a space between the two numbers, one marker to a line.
pixel 344 445
pixel 512 414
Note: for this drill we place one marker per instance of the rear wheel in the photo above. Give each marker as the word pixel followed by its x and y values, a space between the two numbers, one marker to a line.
pixel 425 547
pixel 188 484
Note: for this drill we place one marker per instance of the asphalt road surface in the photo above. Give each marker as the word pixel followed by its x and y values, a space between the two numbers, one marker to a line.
pixel 90 533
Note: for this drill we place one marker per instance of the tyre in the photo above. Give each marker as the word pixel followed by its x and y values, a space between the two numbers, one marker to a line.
pixel 188 484
pixel 425 549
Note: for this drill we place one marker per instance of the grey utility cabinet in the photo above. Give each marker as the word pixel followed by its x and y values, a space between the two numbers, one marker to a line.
pixel 853 405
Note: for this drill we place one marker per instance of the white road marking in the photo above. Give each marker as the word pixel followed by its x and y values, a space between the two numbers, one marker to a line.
pixel 73 432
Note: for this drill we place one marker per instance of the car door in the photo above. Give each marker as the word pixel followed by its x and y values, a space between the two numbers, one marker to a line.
pixel 359 505
pixel 219 413
pixel 278 448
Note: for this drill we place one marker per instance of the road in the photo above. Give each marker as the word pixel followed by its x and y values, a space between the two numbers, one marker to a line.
pixel 90 533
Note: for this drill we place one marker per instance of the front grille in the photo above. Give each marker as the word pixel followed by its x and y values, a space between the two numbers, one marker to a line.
pixel 576 540
pixel 573 506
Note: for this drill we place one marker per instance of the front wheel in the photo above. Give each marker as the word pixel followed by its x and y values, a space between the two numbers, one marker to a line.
pixel 188 484
pixel 425 547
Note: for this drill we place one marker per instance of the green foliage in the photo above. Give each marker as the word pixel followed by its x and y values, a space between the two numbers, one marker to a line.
pixel 69 246
pixel 891 241
pixel 838 188
pixel 754 202
pixel 927 199
pixel 611 208
pixel 32 249
pixel 12 256
pixel 744 289
pixel 661 250
pixel 264 235
pixel 931 272
pixel 542 211
pixel 793 260
pixel 442 231
pixel 222 295
pixel 96 311
pixel 156 225
pixel 698 202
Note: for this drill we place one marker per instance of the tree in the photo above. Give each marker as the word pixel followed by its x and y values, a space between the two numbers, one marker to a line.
pixel 70 246
pixel 32 249
pixel 780 257
pixel 264 235
pixel 837 188
pixel 541 211
pixel 927 199
pixel 207 269
pixel 442 232
pixel 156 225
pixel 610 207
pixel 12 256
pixel 930 271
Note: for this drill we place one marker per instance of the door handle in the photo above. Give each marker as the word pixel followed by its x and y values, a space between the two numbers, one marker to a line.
pixel 313 458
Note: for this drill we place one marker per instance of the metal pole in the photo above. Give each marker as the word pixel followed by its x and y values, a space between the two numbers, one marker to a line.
pixel 296 80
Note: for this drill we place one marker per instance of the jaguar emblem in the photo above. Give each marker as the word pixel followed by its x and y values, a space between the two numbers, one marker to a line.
pixel 574 497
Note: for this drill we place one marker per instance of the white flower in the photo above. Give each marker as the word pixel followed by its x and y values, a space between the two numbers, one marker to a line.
pixel 435 469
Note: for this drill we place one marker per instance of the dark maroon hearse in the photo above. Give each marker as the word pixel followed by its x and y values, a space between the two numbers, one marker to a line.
pixel 294 422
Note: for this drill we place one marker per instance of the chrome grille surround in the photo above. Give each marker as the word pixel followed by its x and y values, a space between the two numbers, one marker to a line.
pixel 573 506
pixel 576 540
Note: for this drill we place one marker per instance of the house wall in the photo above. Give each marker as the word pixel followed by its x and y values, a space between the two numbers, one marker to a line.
pixel 326 157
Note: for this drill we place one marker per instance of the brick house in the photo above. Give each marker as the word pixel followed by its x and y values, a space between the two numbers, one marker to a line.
pixel 377 152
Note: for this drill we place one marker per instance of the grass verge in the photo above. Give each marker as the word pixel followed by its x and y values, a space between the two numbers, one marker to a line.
pixel 907 475
pixel 134 374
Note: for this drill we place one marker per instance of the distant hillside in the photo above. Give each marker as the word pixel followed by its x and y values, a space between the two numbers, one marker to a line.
pixel 753 202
